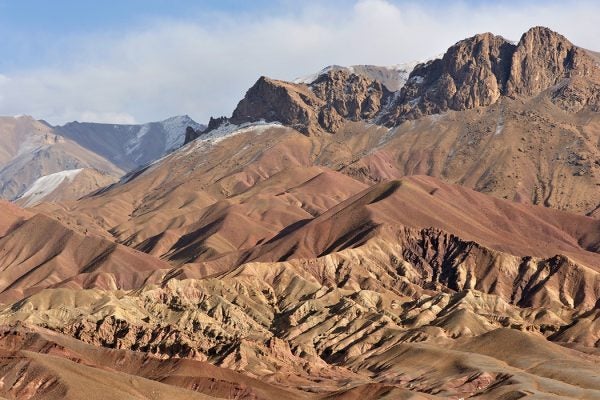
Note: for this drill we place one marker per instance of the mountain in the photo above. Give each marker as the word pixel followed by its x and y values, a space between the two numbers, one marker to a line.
pixel 39 162
pixel 477 116
pixel 475 72
pixel 337 237
pixel 130 146
pixel 30 150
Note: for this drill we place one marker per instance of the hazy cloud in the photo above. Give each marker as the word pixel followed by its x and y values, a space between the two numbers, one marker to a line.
pixel 203 67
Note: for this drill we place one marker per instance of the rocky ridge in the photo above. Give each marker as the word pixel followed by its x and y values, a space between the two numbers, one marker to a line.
pixel 475 72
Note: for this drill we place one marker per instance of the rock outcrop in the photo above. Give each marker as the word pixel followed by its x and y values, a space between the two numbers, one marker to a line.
pixel 475 72
pixel 471 74
pixel 191 135
pixel 322 106
pixel 541 60
pixel 478 71
pixel 347 95
pixel 272 100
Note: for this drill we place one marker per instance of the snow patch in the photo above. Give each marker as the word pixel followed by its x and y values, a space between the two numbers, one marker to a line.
pixel 308 79
pixel 47 184
pixel 499 124
pixel 175 130
pixel 226 131
pixel 134 143
pixel 172 131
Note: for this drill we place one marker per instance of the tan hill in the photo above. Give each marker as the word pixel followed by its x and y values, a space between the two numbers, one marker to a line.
pixel 37 363
pixel 297 331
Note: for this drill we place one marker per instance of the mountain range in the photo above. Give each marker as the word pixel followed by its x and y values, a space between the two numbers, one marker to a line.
pixel 421 231
pixel 41 162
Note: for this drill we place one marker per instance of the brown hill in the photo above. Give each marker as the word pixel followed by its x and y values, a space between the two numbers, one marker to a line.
pixel 37 252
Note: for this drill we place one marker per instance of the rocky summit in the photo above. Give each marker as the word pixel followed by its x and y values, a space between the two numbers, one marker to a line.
pixel 475 72
pixel 421 231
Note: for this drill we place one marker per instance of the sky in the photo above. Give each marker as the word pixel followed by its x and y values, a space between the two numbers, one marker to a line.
pixel 134 61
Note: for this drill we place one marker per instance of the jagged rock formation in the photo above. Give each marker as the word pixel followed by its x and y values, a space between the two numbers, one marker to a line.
pixel 472 73
pixel 544 58
pixel 349 96
pixel 191 135
pixel 324 105
pixel 475 72
pixel 272 100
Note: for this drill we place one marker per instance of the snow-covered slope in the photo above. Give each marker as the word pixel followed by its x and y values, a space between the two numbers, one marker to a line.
pixel 65 185
pixel 131 146
pixel 45 185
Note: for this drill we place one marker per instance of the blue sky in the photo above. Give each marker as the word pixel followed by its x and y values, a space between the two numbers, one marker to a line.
pixel 142 60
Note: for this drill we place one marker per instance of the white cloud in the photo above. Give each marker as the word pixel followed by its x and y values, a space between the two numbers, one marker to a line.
pixel 107 117
pixel 203 68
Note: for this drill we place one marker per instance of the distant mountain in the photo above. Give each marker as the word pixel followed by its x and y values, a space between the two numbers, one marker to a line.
pixel 31 149
pixel 130 146
pixel 393 77
pixel 39 162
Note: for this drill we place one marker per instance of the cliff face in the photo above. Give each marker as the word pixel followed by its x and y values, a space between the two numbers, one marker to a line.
pixel 478 71
pixel 349 96
pixel 321 107
pixel 471 74
pixel 475 72
pixel 541 60
pixel 273 100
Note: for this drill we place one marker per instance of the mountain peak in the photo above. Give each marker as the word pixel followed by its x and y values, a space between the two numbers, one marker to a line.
pixel 543 33
pixel 541 59
pixel 475 72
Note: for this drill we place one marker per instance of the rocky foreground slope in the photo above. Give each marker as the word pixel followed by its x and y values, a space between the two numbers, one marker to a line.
pixel 367 297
